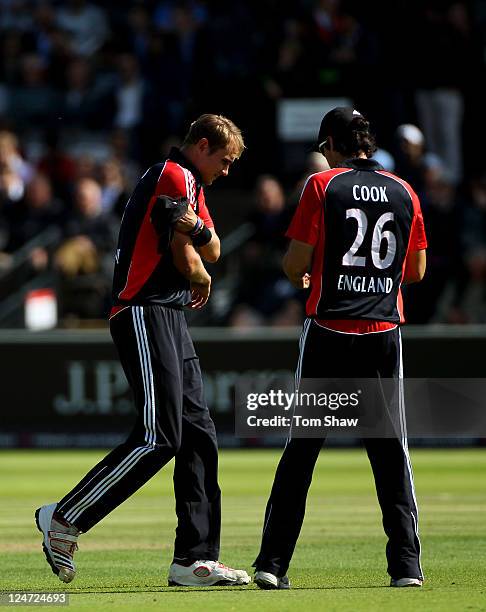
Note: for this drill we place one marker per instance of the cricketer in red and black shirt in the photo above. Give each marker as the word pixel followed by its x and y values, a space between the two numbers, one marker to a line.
pixel 166 232
pixel 357 235
pixel 143 273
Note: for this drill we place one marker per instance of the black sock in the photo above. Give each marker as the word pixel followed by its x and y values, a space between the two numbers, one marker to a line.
pixel 184 562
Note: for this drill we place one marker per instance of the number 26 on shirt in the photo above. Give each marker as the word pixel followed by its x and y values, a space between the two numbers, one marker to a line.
pixel 351 259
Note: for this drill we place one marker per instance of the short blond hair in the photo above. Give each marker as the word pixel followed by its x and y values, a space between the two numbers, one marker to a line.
pixel 220 131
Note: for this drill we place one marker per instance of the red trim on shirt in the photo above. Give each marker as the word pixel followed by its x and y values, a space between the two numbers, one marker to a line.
pixel 203 210
pixel 115 310
pixel 145 256
pixel 308 225
pixel 417 240
pixel 356 326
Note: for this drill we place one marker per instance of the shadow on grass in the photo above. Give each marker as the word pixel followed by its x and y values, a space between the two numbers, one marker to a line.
pixel 221 589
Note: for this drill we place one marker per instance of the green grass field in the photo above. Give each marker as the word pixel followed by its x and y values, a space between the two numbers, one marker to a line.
pixel 339 563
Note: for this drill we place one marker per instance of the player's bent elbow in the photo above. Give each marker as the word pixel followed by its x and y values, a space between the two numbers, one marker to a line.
pixel 287 267
pixel 187 265
pixel 292 272
pixel 420 271
pixel 211 252
pixel 413 277
pixel 420 274
pixel 211 256
pixel 191 267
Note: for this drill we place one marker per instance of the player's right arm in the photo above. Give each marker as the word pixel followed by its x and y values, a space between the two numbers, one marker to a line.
pixel 415 265
pixel 297 262
pixel 187 260
pixel 304 231
pixel 415 260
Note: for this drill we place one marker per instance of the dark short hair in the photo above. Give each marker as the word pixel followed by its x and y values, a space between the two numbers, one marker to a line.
pixel 357 138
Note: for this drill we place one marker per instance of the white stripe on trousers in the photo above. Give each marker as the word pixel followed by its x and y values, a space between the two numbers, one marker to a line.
pixel 298 373
pixel 82 488
pixel 148 418
pixel 403 423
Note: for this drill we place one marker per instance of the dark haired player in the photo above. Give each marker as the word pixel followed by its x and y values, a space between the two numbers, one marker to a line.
pixel 356 237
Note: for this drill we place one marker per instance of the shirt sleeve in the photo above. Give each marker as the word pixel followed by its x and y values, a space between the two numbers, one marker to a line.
pixel 172 182
pixel 308 218
pixel 418 239
pixel 204 212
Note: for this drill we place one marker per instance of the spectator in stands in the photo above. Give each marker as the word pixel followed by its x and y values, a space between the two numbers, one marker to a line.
pixel 263 293
pixel 11 47
pixel 315 162
pixel 52 44
pixel 15 171
pixel 12 186
pixel 287 69
pixel 5 225
pixel 139 25
pixel 385 159
pixel 444 44
pixel 114 191
pixel 129 93
pixel 32 102
pixel 119 151
pixel 86 104
pixel 44 23
pixel 165 16
pixel 412 161
pixel 474 245
pixel 85 167
pixel 84 259
pixel 186 46
pixel 57 164
pixel 5 258
pixel 86 24
pixel 438 298
pixel 236 63
pixel 340 47
pixel 16 15
pixel 31 217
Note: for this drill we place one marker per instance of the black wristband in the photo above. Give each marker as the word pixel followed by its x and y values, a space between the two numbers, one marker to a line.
pixel 202 238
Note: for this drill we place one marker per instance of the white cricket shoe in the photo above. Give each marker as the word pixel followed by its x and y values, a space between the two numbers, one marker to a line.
pixel 206 573
pixel 406 582
pixel 60 542
pixel 266 580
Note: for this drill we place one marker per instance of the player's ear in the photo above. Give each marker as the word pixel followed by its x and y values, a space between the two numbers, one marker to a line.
pixel 329 144
pixel 203 145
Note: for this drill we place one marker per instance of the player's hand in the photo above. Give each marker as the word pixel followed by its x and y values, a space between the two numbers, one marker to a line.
pixel 200 294
pixel 187 222
pixel 302 282
pixel 306 281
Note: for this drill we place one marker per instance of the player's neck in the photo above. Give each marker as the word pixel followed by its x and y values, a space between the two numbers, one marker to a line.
pixel 337 159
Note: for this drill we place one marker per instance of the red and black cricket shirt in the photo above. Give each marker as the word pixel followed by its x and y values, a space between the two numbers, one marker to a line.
pixel 362 221
pixel 142 275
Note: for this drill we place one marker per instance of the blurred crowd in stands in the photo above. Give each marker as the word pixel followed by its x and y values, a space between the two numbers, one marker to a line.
pixel 91 93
